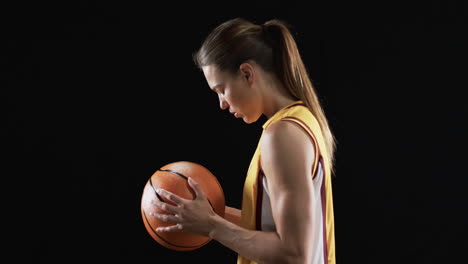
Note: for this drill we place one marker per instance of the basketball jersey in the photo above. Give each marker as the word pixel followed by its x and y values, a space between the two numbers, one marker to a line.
pixel 256 207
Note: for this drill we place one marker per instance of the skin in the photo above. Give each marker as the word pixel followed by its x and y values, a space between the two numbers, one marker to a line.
pixel 287 155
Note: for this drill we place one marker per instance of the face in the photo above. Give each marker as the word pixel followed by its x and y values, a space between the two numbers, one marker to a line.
pixel 236 93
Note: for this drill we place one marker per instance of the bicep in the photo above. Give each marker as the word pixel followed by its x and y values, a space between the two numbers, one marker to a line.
pixel 287 156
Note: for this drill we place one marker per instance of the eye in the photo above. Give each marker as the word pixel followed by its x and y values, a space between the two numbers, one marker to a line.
pixel 219 90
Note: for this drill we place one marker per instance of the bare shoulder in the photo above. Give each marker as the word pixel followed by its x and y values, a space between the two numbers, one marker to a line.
pixel 285 133
pixel 284 129
pixel 286 147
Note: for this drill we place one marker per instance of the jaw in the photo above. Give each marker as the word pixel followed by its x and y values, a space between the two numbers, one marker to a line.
pixel 250 120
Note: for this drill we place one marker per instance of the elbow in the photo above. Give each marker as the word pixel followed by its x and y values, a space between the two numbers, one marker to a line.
pixel 287 257
pixel 295 259
pixel 297 254
pixel 286 260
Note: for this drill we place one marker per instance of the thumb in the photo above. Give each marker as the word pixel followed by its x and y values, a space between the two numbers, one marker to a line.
pixel 196 188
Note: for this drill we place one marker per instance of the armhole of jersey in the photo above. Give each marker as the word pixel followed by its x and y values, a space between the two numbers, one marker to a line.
pixel 312 136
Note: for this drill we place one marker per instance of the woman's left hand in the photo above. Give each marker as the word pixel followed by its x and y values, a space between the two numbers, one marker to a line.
pixel 193 216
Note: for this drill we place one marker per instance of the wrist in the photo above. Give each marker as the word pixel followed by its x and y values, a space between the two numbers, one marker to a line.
pixel 216 224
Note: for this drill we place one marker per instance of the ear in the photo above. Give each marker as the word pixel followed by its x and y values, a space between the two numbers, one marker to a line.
pixel 247 72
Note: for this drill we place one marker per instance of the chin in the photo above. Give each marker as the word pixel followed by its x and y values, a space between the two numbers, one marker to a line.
pixel 249 120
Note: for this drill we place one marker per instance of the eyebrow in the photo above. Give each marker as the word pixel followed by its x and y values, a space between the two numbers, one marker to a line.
pixel 215 86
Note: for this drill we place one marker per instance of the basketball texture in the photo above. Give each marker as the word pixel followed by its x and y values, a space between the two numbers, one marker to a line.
pixel 173 177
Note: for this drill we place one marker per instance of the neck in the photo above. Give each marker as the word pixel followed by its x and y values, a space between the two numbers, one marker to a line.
pixel 275 97
pixel 274 106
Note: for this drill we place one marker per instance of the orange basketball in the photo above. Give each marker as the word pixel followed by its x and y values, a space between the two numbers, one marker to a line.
pixel 173 177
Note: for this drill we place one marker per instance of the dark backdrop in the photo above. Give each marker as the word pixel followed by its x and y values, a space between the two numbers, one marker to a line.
pixel 100 94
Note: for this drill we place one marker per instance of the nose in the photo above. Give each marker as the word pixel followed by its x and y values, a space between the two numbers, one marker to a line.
pixel 222 103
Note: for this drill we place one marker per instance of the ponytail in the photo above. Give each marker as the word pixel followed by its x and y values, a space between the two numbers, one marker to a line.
pixel 291 71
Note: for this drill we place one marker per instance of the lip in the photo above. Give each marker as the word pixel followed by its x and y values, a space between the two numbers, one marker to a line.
pixel 236 114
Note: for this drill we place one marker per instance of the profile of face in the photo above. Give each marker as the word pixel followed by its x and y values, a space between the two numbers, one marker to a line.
pixel 237 93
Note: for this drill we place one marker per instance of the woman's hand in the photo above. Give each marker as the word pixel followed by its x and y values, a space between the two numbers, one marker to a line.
pixel 193 216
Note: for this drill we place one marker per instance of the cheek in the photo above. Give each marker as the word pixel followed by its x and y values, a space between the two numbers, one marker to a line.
pixel 238 97
pixel 232 98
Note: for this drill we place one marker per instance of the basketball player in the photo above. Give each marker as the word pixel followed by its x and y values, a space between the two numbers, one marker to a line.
pixel 287 206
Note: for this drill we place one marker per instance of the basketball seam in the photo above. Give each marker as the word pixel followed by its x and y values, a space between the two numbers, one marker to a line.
pixel 186 178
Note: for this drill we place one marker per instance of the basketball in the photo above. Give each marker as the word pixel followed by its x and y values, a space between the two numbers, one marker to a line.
pixel 173 177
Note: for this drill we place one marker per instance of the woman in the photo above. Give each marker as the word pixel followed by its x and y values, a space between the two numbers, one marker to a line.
pixel 287 206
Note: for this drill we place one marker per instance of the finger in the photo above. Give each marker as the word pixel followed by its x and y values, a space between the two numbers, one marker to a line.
pixel 165 217
pixel 173 228
pixel 196 188
pixel 170 196
pixel 165 206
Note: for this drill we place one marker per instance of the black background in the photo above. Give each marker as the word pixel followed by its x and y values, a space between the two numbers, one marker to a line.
pixel 100 94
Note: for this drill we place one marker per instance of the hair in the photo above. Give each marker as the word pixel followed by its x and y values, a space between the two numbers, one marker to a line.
pixel 272 46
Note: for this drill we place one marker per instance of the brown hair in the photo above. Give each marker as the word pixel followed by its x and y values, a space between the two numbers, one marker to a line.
pixel 273 47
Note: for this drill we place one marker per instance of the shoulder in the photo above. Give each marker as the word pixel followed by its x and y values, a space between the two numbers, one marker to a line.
pixel 286 146
pixel 284 132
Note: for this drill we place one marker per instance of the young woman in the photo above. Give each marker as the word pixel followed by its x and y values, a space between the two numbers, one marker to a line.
pixel 287 206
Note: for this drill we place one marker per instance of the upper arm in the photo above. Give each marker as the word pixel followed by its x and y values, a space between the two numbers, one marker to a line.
pixel 287 156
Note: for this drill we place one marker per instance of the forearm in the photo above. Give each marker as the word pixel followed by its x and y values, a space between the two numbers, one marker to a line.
pixel 233 215
pixel 262 247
